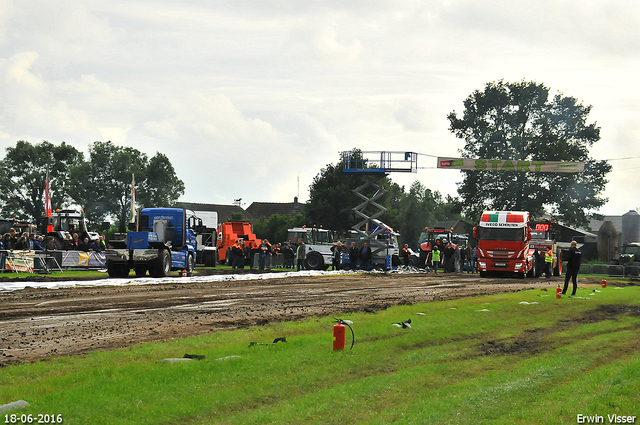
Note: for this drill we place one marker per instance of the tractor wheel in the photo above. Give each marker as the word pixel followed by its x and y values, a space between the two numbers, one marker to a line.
pixel 314 261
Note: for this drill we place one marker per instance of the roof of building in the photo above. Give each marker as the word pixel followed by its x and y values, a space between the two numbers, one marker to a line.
pixel 224 211
pixel 267 209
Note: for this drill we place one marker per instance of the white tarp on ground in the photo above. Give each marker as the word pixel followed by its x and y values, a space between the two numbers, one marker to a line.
pixel 17 285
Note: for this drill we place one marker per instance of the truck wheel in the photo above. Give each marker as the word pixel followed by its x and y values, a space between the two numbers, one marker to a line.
pixel 314 261
pixel 190 265
pixel 162 264
pixel 141 271
pixel 117 270
pixel 483 274
pixel 534 269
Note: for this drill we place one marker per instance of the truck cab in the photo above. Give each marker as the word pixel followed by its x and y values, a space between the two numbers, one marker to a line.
pixel 162 240
pixel 503 244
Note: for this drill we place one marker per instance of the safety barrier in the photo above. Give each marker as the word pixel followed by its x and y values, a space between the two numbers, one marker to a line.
pixel 272 261
pixel 46 261
pixel 609 270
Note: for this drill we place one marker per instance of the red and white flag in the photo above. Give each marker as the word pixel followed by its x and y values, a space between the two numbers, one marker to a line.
pixel 47 200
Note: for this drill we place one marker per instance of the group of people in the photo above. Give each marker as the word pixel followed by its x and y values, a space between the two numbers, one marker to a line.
pixel 451 258
pixel 32 242
pixel 359 258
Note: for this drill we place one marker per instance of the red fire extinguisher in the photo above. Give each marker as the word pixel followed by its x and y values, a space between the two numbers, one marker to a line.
pixel 604 283
pixel 339 331
pixel 558 292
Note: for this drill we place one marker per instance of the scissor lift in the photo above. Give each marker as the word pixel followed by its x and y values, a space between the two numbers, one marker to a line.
pixel 371 166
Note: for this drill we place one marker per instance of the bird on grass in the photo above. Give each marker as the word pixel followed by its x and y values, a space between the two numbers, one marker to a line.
pixel 403 325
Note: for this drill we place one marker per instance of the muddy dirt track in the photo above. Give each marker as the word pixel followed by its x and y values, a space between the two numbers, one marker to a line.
pixel 39 323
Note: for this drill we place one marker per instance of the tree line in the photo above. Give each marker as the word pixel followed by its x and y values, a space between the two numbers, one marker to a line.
pixel 100 184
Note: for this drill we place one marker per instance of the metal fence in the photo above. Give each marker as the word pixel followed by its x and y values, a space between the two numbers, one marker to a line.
pixel 610 270
pixel 46 261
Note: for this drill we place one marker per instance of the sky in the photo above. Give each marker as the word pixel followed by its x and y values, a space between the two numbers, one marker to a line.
pixel 251 99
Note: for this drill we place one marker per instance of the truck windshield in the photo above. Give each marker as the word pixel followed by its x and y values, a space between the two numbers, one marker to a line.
pixel 294 236
pixel 501 234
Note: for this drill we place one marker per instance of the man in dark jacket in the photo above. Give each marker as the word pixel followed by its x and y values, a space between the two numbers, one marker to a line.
pixel 365 256
pixel 573 265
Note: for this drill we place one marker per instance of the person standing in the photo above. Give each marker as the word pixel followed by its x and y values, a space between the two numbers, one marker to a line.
pixel 353 256
pixel 449 252
pixel 263 250
pixel 476 256
pixel 548 263
pixel 365 256
pixel 237 256
pixel 405 254
pixel 573 265
pixel 435 258
pixel 301 255
pixel 336 251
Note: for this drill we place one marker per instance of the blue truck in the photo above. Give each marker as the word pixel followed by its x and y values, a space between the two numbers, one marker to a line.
pixel 162 240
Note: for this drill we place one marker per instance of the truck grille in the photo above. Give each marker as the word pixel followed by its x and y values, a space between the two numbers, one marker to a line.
pixel 501 254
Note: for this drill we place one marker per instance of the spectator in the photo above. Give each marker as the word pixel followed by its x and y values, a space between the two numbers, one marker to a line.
pixel 336 251
pixel 354 253
pixel 32 241
pixel 75 242
pixel 23 242
pixel 476 255
pixel 14 238
pixel 301 255
pixel 365 256
pixel 102 243
pixel 405 254
pixel 50 245
pixel 95 246
pixel 67 244
pixel 263 250
pixel 38 245
pixel 448 252
pixel 85 245
pixel 8 246
pixel 287 253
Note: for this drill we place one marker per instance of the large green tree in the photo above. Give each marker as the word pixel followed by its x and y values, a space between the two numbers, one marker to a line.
pixel 23 175
pixel 104 182
pixel 418 208
pixel 520 121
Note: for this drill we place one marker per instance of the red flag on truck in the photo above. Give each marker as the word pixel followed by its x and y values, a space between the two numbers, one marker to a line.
pixel 47 200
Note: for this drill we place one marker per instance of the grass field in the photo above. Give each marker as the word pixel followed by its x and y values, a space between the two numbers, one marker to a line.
pixel 491 359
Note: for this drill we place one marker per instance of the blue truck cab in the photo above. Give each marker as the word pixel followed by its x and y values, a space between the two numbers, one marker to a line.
pixel 164 239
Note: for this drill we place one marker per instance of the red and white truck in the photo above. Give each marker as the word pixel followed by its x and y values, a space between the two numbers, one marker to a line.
pixel 504 244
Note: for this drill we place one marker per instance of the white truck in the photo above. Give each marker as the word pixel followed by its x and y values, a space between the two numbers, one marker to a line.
pixel 207 238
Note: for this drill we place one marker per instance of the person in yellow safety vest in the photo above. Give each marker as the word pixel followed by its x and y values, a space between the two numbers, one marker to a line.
pixel 548 263
pixel 435 258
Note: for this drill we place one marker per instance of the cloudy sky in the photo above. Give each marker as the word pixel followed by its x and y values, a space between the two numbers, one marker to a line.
pixel 248 98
